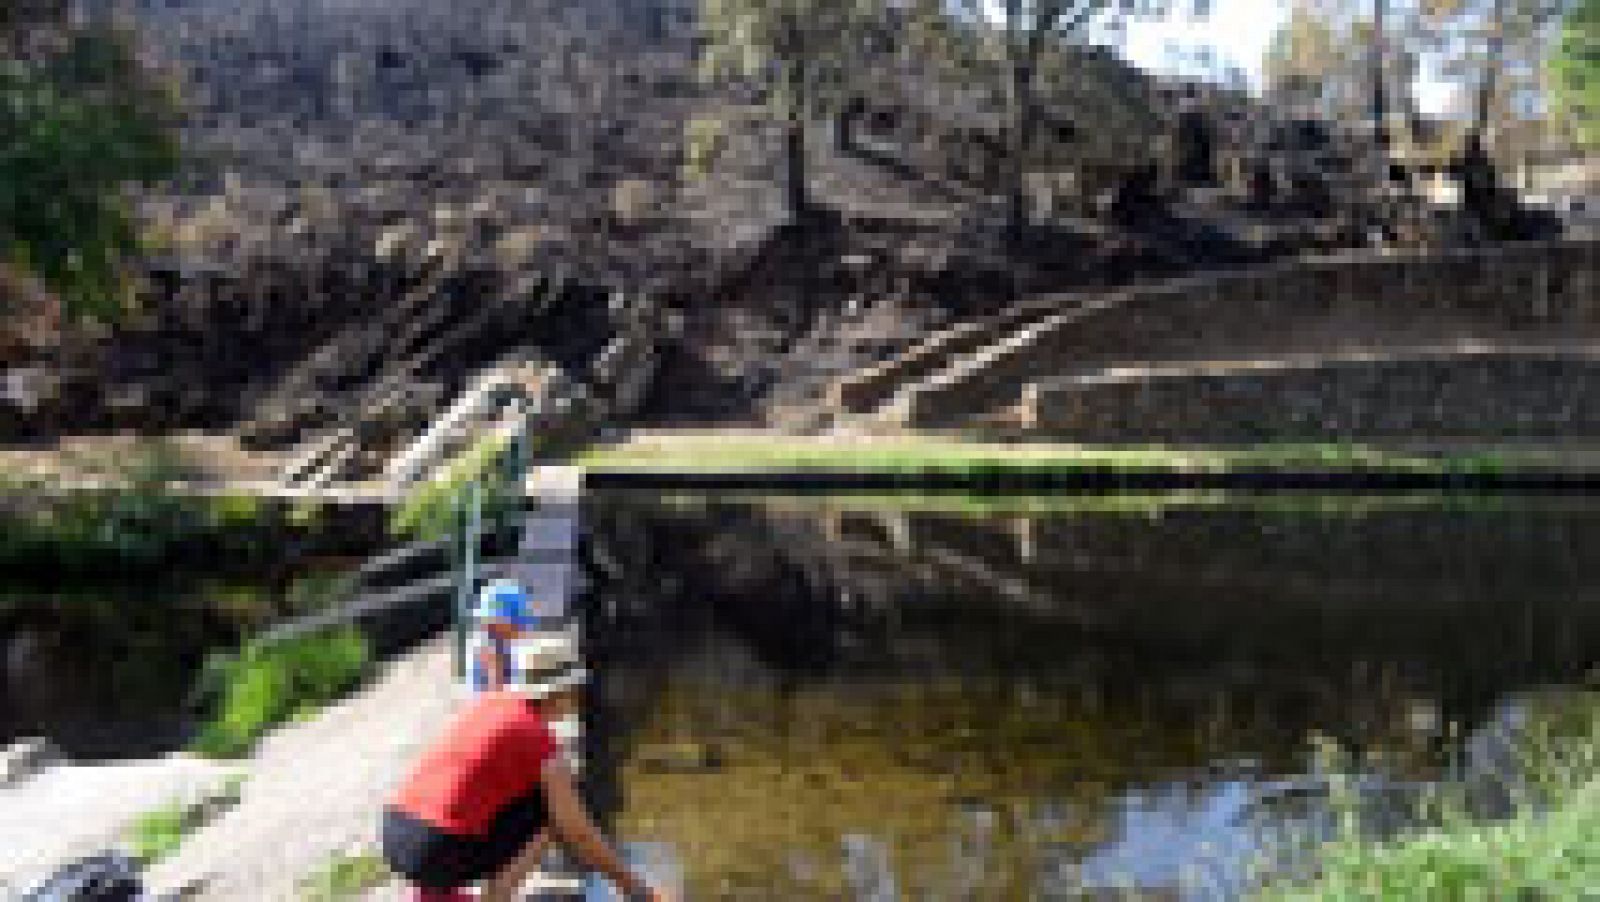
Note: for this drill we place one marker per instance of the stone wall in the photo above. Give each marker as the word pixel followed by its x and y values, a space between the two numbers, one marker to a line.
pixel 1517 293
pixel 1437 393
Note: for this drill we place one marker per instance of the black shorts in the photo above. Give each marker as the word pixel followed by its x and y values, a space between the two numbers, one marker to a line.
pixel 435 859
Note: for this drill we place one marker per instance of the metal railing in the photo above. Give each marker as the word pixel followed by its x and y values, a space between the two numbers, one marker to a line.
pixel 473 523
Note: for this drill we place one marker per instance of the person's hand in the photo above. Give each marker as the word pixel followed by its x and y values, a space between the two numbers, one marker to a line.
pixel 651 894
pixel 644 892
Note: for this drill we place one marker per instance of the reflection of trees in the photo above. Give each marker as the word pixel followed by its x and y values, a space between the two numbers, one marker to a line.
pixel 772 680
pixel 104 672
pixel 1285 609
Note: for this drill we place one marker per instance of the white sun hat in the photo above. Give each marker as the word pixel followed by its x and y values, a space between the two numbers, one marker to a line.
pixel 545 663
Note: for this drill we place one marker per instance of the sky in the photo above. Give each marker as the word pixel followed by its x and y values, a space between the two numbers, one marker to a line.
pixel 1238 31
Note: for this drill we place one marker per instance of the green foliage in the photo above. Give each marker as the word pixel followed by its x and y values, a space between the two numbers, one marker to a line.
pixel 803 56
pixel 347 876
pixel 137 520
pixel 80 125
pixel 703 142
pixel 158 833
pixel 265 686
pixel 1575 69
pixel 942 455
pixel 1549 849
pixel 801 51
pixel 1550 855
pixel 431 511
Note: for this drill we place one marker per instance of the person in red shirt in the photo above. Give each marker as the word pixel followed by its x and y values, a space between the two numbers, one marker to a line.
pixel 479 803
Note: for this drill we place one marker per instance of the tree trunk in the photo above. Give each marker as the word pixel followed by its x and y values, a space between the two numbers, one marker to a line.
pixel 1379 51
pixel 796 195
pixel 1491 72
pixel 1018 146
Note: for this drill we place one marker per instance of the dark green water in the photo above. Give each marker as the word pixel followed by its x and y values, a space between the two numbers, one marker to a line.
pixel 104 667
pixel 813 702
pixel 960 698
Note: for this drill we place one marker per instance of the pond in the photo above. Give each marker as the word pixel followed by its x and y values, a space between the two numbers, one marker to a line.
pixel 936 698
pixel 106 668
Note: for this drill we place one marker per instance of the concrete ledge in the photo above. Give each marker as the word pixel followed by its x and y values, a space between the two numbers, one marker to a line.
pixel 1096 479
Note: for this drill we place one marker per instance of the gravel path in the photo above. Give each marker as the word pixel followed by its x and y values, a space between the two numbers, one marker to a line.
pixel 69 811
pixel 316 788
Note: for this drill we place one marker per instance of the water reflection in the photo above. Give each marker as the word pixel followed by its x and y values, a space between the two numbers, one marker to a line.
pixel 815 703
pixel 103 670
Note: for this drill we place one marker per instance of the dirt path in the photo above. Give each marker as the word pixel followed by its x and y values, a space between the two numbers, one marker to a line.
pixel 315 788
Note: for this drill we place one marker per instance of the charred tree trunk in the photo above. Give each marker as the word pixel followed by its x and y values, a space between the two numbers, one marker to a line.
pixel 1380 98
pixel 797 196
pixel 1491 72
pixel 1018 148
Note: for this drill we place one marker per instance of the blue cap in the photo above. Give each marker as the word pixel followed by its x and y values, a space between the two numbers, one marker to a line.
pixel 505 600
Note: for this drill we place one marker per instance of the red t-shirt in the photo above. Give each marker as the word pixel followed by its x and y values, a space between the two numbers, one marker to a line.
pixel 492 754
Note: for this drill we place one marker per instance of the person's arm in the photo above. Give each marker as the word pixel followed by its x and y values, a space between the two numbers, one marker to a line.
pixel 491 665
pixel 576 829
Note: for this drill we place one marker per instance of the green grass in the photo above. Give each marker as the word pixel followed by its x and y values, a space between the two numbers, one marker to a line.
pixel 934 454
pixel 431 510
pixel 266 686
pixel 158 833
pixel 1136 504
pixel 1549 849
pixel 1551 855
pixel 346 876
pixel 136 521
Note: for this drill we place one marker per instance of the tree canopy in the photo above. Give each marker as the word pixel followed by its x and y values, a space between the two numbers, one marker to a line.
pixel 798 54
pixel 82 121
pixel 1576 69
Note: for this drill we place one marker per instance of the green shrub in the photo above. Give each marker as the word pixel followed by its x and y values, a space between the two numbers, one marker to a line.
pixel 269 685
pixel 1553 854
pixel 1548 849
pixel 137 521
pixel 430 511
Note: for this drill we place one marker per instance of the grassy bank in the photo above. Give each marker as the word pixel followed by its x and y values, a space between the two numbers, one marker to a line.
pixel 265 686
pixel 744 451
pixel 1554 854
pixel 979 505
pixel 1549 848
pixel 138 523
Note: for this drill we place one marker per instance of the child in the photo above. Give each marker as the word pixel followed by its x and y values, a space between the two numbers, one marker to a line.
pixel 502 616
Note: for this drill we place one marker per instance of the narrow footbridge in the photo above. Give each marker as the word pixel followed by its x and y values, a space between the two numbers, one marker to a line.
pixel 544 561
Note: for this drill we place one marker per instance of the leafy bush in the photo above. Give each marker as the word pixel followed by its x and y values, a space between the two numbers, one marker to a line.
pixel 137 521
pixel 265 686
pixel 1535 855
pixel 80 123
pixel 431 510
pixel 1548 849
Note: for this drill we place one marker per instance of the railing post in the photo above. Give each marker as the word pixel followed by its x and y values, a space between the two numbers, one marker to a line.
pixel 462 613
pixel 469 517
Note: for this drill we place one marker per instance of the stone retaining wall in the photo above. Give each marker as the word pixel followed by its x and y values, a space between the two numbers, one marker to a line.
pixel 1521 293
pixel 1477 393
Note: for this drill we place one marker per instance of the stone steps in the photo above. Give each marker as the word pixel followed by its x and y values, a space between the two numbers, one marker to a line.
pixel 1501 295
pixel 333 454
